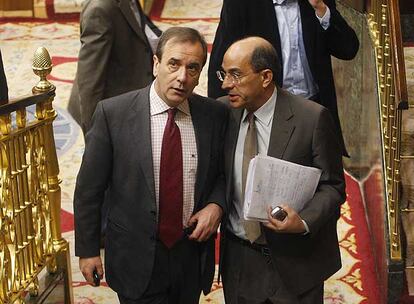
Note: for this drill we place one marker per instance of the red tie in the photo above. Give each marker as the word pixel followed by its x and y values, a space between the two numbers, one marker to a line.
pixel 171 184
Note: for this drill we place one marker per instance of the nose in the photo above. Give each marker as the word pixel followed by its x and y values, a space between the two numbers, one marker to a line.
pixel 227 83
pixel 182 74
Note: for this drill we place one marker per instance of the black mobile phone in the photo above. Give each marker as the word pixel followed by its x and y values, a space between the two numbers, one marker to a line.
pixel 189 230
pixel 96 278
pixel 278 213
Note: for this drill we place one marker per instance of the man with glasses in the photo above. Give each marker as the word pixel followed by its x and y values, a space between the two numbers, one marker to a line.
pixel 280 261
pixel 305 33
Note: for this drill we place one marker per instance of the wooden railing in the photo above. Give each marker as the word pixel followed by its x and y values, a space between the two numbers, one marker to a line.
pixel 372 97
pixel 30 234
pixel 384 23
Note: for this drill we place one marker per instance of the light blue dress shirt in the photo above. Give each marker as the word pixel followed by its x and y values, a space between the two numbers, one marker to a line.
pixel 297 76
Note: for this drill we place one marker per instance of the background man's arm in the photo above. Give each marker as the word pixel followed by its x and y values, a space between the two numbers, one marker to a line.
pixel 97 38
pixel 341 40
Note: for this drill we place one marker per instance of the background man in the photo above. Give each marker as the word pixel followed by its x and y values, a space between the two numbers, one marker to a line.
pixel 158 150
pixel 305 34
pixel 288 261
pixel 118 41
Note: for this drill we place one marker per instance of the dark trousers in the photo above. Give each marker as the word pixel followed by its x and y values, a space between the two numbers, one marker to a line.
pixel 249 277
pixel 175 278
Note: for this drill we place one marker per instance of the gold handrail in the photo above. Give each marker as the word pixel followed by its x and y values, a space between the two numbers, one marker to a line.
pixel 383 20
pixel 30 235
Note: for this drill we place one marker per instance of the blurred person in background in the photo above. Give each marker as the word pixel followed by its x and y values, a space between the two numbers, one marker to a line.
pixel 117 44
pixel 305 34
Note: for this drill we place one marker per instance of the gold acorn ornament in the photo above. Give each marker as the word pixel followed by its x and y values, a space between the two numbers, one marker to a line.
pixel 42 66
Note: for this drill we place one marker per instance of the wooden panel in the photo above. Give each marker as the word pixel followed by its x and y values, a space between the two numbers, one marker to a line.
pixel 16 5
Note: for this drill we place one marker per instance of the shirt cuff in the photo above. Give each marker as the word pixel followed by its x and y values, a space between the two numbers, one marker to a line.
pixel 325 20
pixel 306 228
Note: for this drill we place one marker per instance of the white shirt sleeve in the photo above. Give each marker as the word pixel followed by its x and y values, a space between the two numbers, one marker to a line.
pixel 325 20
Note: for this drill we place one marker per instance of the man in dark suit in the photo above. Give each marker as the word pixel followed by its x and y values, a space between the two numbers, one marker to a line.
pixel 4 91
pixel 305 34
pixel 280 261
pixel 115 55
pixel 158 151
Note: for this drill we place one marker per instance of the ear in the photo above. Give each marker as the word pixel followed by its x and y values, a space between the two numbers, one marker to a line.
pixel 267 77
pixel 155 66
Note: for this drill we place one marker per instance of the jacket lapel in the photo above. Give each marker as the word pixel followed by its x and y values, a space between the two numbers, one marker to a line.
pixel 282 127
pixel 202 124
pixel 140 134
pixel 131 19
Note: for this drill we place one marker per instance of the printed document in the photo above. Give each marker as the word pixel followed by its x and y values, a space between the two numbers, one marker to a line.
pixel 272 182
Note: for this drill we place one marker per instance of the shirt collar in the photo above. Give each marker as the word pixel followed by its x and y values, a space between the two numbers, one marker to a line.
pixel 265 113
pixel 158 106
pixel 279 2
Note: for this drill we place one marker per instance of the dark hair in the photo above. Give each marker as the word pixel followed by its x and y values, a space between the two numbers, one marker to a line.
pixel 264 56
pixel 181 34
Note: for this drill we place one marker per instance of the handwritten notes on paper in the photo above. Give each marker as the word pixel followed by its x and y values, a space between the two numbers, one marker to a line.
pixel 272 182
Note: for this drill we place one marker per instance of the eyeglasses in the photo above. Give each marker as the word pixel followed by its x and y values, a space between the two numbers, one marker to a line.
pixel 234 78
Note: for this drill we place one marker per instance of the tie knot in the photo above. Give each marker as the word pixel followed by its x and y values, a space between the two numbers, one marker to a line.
pixel 171 112
pixel 250 117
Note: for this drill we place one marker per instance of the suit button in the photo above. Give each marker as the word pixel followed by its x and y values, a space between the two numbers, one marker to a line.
pixel 153 212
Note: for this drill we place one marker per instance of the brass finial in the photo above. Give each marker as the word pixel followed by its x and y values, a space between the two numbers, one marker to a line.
pixel 42 66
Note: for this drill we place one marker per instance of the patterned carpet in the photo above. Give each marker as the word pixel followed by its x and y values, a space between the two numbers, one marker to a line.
pixel 355 283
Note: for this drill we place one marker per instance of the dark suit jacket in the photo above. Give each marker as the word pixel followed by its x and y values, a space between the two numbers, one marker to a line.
pixel 302 132
pixel 118 156
pixel 242 18
pixel 115 56
pixel 4 92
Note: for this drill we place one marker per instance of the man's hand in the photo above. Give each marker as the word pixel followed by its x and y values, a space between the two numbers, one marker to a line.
pixel 207 221
pixel 88 265
pixel 291 224
pixel 319 6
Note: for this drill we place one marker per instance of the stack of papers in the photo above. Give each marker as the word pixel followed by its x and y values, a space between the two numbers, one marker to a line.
pixel 273 182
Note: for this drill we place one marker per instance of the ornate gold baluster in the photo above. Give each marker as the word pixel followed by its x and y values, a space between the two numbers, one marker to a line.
pixel 44 111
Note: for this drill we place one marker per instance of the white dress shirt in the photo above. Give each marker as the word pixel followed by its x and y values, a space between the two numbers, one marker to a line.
pixel 159 115
pixel 297 76
pixel 263 121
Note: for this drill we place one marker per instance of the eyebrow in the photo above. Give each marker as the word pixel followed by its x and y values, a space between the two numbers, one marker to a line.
pixel 194 65
pixel 174 59
pixel 191 64
pixel 232 70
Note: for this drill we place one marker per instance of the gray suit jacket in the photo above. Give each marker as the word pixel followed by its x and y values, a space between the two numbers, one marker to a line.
pixel 115 56
pixel 303 132
pixel 118 157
